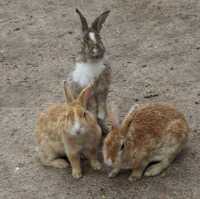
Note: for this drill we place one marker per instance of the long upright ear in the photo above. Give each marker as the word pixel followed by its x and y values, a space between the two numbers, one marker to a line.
pixel 98 22
pixel 83 21
pixel 85 95
pixel 113 116
pixel 68 93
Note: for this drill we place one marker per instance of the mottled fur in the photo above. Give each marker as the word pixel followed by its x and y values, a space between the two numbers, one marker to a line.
pixel 92 53
pixel 149 133
pixel 68 130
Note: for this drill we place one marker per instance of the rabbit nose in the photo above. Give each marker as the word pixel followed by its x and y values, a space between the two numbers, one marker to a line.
pixel 95 50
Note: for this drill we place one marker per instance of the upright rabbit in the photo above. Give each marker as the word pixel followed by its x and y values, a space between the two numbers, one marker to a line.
pixel 90 67
pixel 150 137
pixel 69 130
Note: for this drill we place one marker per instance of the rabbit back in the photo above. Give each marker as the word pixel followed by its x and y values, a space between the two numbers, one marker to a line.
pixel 47 124
pixel 155 132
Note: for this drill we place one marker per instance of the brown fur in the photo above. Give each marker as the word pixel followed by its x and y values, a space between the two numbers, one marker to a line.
pixel 154 119
pixel 148 134
pixel 57 134
pixel 111 142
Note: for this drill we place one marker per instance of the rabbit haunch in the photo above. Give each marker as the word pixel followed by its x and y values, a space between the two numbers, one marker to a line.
pixel 86 73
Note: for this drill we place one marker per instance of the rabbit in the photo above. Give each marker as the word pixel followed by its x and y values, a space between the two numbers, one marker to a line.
pixel 90 67
pixel 70 130
pixel 148 140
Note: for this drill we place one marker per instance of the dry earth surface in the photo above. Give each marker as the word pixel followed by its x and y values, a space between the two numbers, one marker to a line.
pixel 154 49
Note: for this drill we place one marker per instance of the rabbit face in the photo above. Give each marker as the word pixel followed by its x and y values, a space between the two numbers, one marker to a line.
pixel 79 120
pixel 93 47
pixel 113 148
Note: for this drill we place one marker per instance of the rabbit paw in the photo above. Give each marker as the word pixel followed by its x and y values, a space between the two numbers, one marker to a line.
pixel 58 163
pixel 135 175
pixel 133 179
pixel 96 165
pixel 76 174
pixel 113 173
pixel 153 170
pixel 156 169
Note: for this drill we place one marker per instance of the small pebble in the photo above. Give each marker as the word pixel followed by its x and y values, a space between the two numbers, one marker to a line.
pixel 17 169
pixel 144 66
pixel 16 29
pixel 70 32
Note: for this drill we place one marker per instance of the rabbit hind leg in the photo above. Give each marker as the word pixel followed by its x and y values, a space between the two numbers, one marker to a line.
pixel 48 157
pixel 157 168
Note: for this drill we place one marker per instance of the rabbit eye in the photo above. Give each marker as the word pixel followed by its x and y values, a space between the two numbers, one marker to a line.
pixel 122 147
pixel 129 124
pixel 84 114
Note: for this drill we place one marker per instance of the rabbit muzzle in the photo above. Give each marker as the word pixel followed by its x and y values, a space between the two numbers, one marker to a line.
pixel 96 52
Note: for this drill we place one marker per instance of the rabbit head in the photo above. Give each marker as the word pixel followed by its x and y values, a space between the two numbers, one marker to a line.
pixel 114 143
pixel 79 119
pixel 92 45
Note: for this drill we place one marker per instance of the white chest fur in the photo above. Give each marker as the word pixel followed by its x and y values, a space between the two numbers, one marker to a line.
pixel 85 73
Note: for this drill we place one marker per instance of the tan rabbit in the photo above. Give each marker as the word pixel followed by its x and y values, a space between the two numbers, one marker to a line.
pixel 90 67
pixel 148 140
pixel 69 130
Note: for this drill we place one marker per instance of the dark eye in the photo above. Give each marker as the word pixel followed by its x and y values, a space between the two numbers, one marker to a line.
pixel 122 147
pixel 129 124
pixel 84 114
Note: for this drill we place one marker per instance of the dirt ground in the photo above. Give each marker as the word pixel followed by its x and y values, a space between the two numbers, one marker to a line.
pixel 154 50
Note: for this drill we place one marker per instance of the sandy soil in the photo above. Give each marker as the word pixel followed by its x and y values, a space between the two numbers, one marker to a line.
pixel 154 50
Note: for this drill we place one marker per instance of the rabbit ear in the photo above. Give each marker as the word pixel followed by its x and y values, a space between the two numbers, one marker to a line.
pixel 113 117
pixel 68 93
pixel 83 21
pixel 85 95
pixel 98 22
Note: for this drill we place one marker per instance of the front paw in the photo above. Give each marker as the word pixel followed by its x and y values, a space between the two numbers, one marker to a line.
pixel 132 179
pixel 113 173
pixel 96 165
pixel 135 175
pixel 76 174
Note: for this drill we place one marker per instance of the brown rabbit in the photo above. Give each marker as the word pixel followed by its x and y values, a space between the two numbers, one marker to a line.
pixel 69 130
pixel 90 67
pixel 148 140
